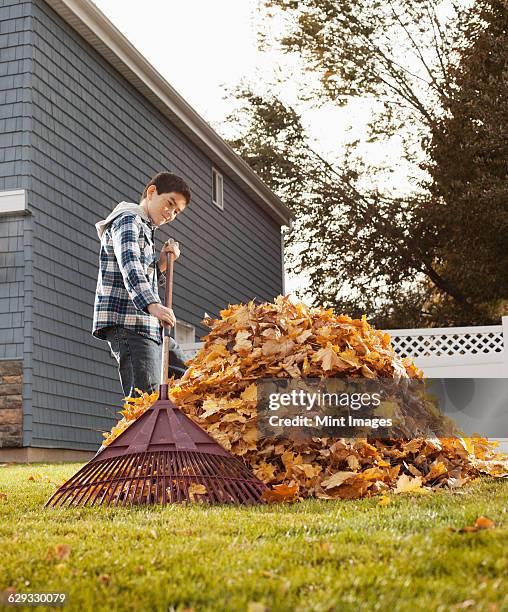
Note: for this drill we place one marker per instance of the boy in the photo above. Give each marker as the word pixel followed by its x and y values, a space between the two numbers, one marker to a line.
pixel 128 312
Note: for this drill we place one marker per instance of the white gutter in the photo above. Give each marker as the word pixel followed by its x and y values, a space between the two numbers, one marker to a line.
pixel 86 19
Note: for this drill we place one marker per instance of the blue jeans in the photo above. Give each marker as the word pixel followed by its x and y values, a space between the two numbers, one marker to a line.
pixel 139 359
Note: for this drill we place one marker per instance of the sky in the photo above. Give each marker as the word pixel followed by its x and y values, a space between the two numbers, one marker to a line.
pixel 202 48
pixel 197 46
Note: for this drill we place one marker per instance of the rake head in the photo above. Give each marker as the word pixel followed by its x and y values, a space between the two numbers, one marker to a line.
pixel 163 457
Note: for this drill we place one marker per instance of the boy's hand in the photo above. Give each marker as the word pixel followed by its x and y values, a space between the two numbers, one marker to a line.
pixel 170 246
pixel 163 313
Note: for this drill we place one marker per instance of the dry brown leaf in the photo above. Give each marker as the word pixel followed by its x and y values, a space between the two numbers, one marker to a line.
pixel 482 522
pixel 60 551
pixel 281 493
pixel 337 479
pixel 266 472
pixel 329 359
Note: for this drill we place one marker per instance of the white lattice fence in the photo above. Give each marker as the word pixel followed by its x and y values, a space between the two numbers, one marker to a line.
pixel 448 341
pixel 457 352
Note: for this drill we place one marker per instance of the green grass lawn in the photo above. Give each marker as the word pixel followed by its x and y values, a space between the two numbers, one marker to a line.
pixel 313 555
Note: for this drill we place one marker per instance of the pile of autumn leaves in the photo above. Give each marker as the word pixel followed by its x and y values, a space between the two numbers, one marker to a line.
pixel 286 339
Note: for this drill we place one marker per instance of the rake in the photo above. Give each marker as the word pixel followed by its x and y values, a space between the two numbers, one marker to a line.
pixel 163 457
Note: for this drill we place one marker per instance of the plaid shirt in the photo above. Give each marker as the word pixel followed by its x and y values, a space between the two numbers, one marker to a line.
pixel 127 280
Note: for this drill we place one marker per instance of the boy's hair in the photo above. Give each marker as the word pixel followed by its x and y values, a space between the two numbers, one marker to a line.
pixel 166 182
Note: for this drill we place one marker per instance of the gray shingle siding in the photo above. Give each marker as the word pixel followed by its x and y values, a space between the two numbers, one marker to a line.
pixel 12 281
pixel 15 80
pixel 81 138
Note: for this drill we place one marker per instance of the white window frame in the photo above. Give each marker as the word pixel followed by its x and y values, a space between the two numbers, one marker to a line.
pixel 218 187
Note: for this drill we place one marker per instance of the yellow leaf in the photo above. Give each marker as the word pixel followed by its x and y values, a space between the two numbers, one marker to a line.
pixel 256 606
pixel 384 500
pixel 436 469
pixel 250 394
pixel 405 484
pixel 211 406
pixel 265 472
pixel 353 463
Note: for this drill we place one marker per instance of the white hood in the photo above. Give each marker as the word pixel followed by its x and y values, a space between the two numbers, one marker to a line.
pixel 118 210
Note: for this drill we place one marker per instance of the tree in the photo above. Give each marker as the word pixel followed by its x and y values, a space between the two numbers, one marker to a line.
pixel 468 168
pixel 364 251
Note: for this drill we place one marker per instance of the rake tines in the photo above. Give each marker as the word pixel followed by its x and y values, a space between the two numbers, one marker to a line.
pixel 160 477
pixel 163 457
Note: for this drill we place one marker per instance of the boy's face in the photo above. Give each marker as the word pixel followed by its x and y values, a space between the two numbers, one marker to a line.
pixel 164 207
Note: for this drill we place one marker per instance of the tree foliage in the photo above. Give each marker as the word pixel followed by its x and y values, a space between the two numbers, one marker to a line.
pixel 467 160
pixel 365 250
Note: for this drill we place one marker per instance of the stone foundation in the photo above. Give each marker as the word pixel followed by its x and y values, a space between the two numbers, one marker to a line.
pixel 11 403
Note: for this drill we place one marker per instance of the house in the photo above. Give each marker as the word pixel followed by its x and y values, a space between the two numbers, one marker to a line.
pixel 85 121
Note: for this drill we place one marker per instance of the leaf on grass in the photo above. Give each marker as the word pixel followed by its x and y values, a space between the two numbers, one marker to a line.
pixel 256 606
pixel 61 552
pixel 482 522
pixel 281 493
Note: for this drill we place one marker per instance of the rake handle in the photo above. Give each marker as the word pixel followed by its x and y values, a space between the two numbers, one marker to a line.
pixel 168 301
